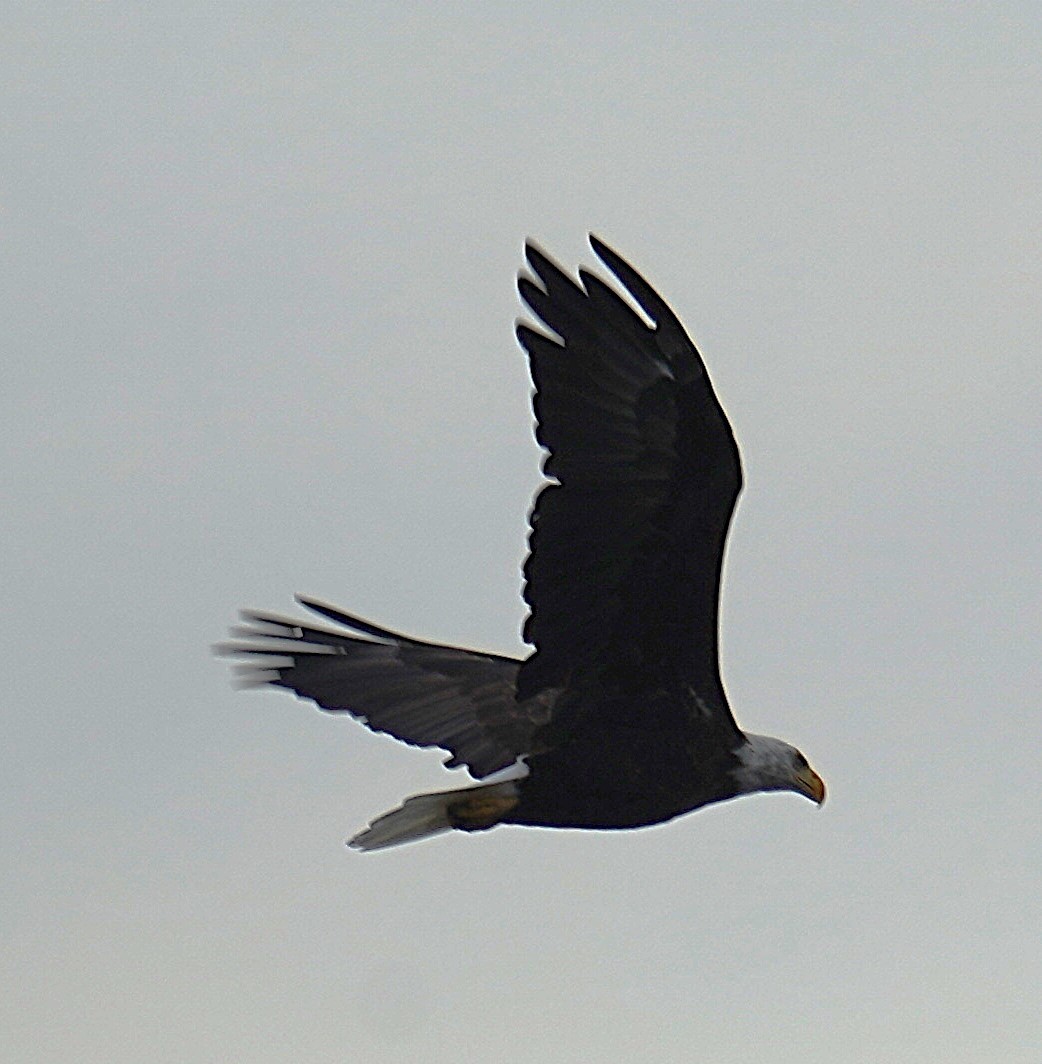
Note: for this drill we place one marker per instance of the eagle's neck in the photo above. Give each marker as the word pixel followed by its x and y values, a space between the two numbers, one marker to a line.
pixel 763 764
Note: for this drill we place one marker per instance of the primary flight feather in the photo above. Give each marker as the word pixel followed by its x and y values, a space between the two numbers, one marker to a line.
pixel 618 718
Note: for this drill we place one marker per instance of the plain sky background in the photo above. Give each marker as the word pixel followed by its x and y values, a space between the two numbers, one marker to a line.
pixel 257 299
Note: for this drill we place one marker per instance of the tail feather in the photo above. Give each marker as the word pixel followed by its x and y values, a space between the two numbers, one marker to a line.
pixel 422 815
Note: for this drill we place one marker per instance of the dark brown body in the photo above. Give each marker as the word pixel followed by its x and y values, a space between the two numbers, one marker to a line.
pixel 627 764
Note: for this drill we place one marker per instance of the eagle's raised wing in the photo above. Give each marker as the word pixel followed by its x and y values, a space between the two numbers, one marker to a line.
pixel 422 693
pixel 627 540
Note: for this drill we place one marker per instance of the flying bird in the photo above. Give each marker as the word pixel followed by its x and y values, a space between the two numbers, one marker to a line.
pixel 618 717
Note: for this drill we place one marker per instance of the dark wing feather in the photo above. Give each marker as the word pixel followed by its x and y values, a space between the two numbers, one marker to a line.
pixel 626 544
pixel 421 693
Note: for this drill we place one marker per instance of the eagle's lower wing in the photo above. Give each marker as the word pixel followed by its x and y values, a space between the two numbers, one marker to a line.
pixel 627 539
pixel 422 693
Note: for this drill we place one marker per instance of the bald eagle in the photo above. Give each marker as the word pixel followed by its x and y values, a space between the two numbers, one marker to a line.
pixel 618 718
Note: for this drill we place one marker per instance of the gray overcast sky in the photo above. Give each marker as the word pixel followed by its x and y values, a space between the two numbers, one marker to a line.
pixel 257 298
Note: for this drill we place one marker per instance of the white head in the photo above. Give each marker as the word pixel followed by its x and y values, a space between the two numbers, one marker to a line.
pixel 766 764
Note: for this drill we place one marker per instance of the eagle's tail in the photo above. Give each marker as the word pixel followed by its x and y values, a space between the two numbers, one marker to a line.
pixel 468 809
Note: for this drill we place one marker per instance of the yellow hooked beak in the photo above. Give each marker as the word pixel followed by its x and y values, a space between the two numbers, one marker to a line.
pixel 808 782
